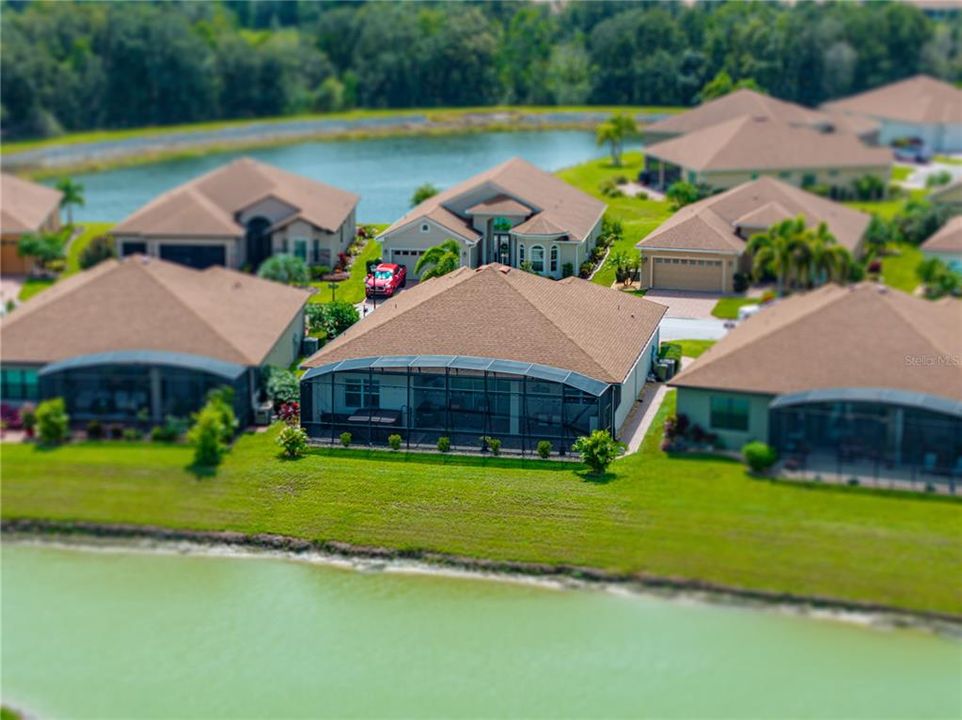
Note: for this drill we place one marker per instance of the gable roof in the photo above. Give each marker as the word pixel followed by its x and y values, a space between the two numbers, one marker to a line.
pixel 947 239
pixel 564 206
pixel 712 223
pixel 498 312
pixel 500 205
pixel 208 205
pixel 862 336
pixel 918 99
pixel 752 143
pixel 25 205
pixel 734 105
pixel 141 303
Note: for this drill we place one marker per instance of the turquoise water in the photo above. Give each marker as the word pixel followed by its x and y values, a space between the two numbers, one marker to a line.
pixel 122 634
pixel 383 171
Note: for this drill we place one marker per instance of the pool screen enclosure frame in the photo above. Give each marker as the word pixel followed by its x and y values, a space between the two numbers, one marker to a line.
pixel 424 397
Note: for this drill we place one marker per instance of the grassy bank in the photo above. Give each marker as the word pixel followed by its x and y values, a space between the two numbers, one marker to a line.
pixel 434 114
pixel 691 518
pixel 638 217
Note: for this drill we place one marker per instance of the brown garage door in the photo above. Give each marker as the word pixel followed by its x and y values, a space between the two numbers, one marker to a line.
pixel 10 261
pixel 688 274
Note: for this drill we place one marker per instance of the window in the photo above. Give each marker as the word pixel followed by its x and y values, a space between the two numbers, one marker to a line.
pixel 729 413
pixel 18 384
pixel 425 227
pixel 833 173
pixel 300 248
pixel 785 174
pixel 692 177
pixel 808 179
pixel 362 393
pixel 520 254
pixel 537 258
pixel 553 261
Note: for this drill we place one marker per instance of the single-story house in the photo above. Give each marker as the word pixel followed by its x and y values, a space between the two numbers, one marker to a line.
pixel 755 104
pixel 493 351
pixel 513 213
pixel 25 207
pixel 702 245
pixel 950 194
pixel 847 374
pixel 727 154
pixel 142 335
pixel 239 215
pixel 946 245
pixel 919 107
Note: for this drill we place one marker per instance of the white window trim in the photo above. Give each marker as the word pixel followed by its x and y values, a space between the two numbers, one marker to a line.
pixel 554 258
pixel 533 267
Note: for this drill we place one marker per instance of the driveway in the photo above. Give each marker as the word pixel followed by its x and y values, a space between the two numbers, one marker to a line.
pixel 685 303
pixel 10 288
pixel 692 329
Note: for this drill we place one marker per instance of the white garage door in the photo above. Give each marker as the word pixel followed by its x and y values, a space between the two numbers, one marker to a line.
pixel 409 258
pixel 688 274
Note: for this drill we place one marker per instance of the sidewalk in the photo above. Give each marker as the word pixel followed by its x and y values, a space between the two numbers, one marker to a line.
pixel 642 415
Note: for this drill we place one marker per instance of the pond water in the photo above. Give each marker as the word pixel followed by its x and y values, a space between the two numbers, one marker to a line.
pixel 383 171
pixel 132 634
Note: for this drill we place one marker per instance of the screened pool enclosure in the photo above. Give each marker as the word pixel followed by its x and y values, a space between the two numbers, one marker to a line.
pixel 126 386
pixel 422 398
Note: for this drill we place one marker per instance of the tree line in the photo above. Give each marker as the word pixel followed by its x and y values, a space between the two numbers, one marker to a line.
pixel 71 66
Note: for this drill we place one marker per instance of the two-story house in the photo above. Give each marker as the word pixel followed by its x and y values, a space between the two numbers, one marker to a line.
pixel 512 214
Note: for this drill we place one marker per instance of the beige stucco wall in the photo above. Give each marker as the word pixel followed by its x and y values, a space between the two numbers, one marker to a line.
pixel 635 382
pixel 696 405
pixel 288 346
pixel 839 177
pixel 270 208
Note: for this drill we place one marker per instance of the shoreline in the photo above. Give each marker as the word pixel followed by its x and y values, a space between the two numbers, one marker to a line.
pixel 98 155
pixel 359 557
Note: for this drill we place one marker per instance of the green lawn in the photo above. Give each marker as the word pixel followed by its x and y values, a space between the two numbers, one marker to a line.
pixel 691 518
pixel 901 172
pixel 727 307
pixel 90 231
pixel 33 286
pixel 693 348
pixel 948 159
pixel 638 217
pixel 352 289
pixel 899 266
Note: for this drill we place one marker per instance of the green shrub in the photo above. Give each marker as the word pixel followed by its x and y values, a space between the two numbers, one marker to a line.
pixel 28 418
pixel 942 177
pixel 682 193
pixel 282 386
pixel 293 441
pixel 222 401
pixel 207 436
pixel 567 270
pixel 759 456
pixel 346 438
pixel 544 449
pixel 319 271
pixel 53 423
pixel 598 450
pixel 98 249
pixel 422 193
pixel 394 442
pixel 670 351
pixel 331 318
pixel 609 188
pixel 494 445
pixel 170 431
pixel 284 268
pixel 95 430
pixel 132 434
pixel 444 444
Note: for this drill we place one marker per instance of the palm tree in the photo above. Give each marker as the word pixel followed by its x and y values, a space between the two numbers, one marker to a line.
pixel 777 250
pixel 73 194
pixel 827 259
pixel 613 132
pixel 440 260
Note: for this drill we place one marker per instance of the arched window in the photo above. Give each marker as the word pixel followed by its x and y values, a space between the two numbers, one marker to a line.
pixel 537 258
pixel 553 259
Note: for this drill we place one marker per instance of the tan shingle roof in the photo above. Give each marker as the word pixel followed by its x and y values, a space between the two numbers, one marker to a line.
pixel 497 312
pixel 948 239
pixel 711 224
pixel 149 304
pixel 555 200
pixel 951 193
pixel 919 99
pixel 749 143
pixel 24 205
pixel 500 205
pixel 207 205
pixel 839 337
pixel 734 105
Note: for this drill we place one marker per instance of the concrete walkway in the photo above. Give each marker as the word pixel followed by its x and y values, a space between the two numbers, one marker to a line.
pixel 642 415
